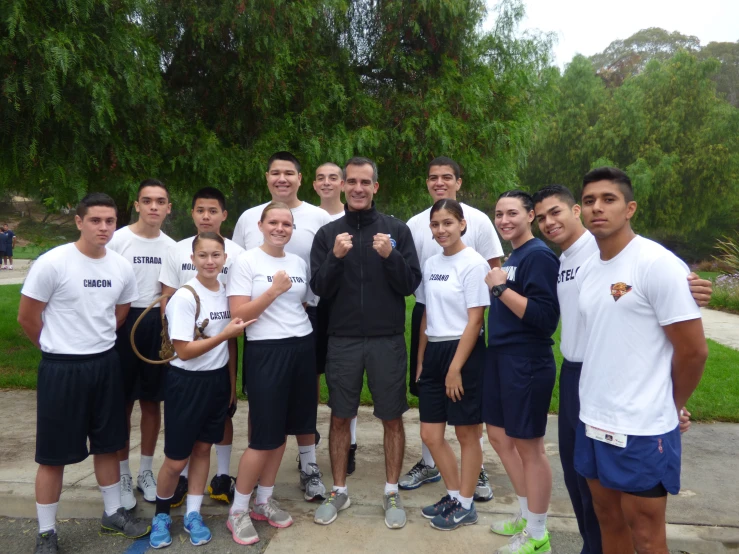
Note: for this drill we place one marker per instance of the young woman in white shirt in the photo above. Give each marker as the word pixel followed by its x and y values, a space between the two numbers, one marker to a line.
pixel 279 367
pixel 200 386
pixel 451 358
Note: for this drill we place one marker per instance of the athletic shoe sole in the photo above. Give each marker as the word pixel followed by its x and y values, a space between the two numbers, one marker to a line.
pixel 109 531
pixel 260 517
pixel 414 487
pixel 237 540
pixel 153 500
pixel 484 498
pixel 221 497
pixel 393 528
pixel 197 543
pixel 460 524
pixel 162 544
pixel 314 498
pixel 330 521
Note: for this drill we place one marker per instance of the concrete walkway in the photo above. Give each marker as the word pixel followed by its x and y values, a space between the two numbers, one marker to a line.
pixel 704 517
pixel 721 327
pixel 17 275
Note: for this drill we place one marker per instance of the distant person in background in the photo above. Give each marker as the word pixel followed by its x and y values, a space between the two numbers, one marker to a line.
pixel 8 240
pixel 2 247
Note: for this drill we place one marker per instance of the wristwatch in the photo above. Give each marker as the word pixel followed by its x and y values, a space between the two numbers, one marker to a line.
pixel 497 290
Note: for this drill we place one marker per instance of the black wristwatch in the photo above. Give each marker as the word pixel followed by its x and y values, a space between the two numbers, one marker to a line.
pixel 497 290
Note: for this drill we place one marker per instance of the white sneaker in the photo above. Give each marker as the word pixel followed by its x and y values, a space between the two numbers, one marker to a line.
pixel 10 267
pixel 128 500
pixel 147 485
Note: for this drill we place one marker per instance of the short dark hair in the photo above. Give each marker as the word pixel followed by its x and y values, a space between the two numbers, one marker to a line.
pixel 152 183
pixel 452 206
pixel 443 160
pixel 560 191
pixel 613 174
pixel 208 235
pixel 359 160
pixel 95 199
pixel 524 197
pixel 210 193
pixel 284 156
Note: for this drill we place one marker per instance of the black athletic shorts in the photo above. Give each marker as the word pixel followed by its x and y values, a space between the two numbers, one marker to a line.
pixel 79 397
pixel 195 406
pixel 281 385
pixel 319 319
pixel 141 381
pixel 2 254
pixel 433 403
pixel 416 317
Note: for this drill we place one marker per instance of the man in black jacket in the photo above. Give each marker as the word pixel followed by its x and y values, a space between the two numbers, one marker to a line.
pixel 366 264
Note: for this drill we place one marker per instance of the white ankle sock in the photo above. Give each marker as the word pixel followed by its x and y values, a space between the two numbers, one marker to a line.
pixel 353 430
pixel 46 516
pixel 223 454
pixel 194 502
pixel 125 470
pixel 536 525
pixel 146 464
pixel 340 490
pixel 465 502
pixel 307 456
pixel 391 487
pixel 453 494
pixel 263 494
pixel 241 502
pixel 185 472
pixel 111 498
pixel 428 459
pixel 523 503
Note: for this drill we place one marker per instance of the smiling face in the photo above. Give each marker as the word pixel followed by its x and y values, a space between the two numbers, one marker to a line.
pixel 605 209
pixel 329 182
pixel 208 257
pixel 558 221
pixel 513 221
pixel 97 226
pixel 208 215
pixel 277 227
pixel 283 181
pixel 446 228
pixel 442 183
pixel 360 187
pixel 153 205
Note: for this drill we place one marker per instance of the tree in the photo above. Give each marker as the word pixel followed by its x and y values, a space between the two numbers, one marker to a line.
pixel 727 76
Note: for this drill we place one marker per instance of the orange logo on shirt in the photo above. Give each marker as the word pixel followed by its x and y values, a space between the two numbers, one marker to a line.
pixel 619 289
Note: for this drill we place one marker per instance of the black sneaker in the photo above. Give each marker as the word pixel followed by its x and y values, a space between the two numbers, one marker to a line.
pixel 123 523
pixel 351 462
pixel 180 493
pixel 222 488
pixel 46 543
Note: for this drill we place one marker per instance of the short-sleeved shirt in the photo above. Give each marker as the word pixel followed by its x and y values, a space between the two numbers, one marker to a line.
pixel 147 257
pixel 626 380
pixel 251 275
pixel 81 294
pixel 480 235
pixel 7 240
pixel 178 268
pixel 307 219
pixel 452 285
pixel 180 313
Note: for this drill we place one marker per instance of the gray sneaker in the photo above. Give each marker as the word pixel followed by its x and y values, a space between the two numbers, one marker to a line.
pixel 420 474
pixel 311 483
pixel 329 510
pixel 271 512
pixel 147 484
pixel 127 498
pixel 483 491
pixel 46 543
pixel 123 523
pixel 242 529
pixel 394 511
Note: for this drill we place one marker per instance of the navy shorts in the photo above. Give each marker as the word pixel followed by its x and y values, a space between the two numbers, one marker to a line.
pixel 280 382
pixel 517 391
pixel 195 406
pixel 141 381
pixel 645 462
pixel 79 397
pixel 433 403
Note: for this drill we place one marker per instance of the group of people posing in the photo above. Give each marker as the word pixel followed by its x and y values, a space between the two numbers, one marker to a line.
pixel 322 289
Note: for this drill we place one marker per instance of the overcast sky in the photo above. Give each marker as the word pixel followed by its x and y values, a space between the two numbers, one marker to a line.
pixel 589 26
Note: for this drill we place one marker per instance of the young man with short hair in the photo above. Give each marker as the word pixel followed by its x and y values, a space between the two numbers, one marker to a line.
pixel 365 263
pixel 283 181
pixel 208 214
pixel 644 355
pixel 7 251
pixel 443 180
pixel 74 298
pixel 145 247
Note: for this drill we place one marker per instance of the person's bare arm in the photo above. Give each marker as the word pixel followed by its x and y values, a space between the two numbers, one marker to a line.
pixel 29 318
pixel 169 291
pixel 187 350
pixel 688 359
pixel 121 313
pixel 422 342
pixel 494 262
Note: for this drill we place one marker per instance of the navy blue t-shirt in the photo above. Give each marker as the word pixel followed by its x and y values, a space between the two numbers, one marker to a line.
pixel 532 272
pixel 7 240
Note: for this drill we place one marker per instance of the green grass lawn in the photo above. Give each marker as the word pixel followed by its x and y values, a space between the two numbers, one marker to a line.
pixel 710 275
pixel 717 397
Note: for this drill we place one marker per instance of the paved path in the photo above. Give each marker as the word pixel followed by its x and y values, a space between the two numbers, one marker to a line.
pixel 17 274
pixel 721 327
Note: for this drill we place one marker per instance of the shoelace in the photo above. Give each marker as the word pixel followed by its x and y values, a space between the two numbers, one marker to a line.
pixel 393 500
pixel 446 500
pixel 454 504
pixel 159 524
pixel 519 539
pixel 417 469
pixel 148 479
pixel 483 480
pixel 331 497
pixel 271 507
pixel 126 483
pixel 196 523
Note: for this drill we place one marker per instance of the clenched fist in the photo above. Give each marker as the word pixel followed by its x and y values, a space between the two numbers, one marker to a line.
pixel 342 245
pixel 281 282
pixel 381 244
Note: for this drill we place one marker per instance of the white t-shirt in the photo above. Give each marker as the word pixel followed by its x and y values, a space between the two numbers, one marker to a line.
pixel 573 342
pixel 452 285
pixel 81 294
pixel 480 235
pixel 180 312
pixel 334 217
pixel 251 276
pixel 308 219
pixel 178 268
pixel 626 380
pixel 147 257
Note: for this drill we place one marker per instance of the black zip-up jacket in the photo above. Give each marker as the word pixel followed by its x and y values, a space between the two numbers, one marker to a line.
pixel 365 292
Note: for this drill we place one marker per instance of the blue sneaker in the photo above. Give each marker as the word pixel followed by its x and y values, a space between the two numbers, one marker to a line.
pixel 455 516
pixel 194 526
pixel 160 536
pixel 430 512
